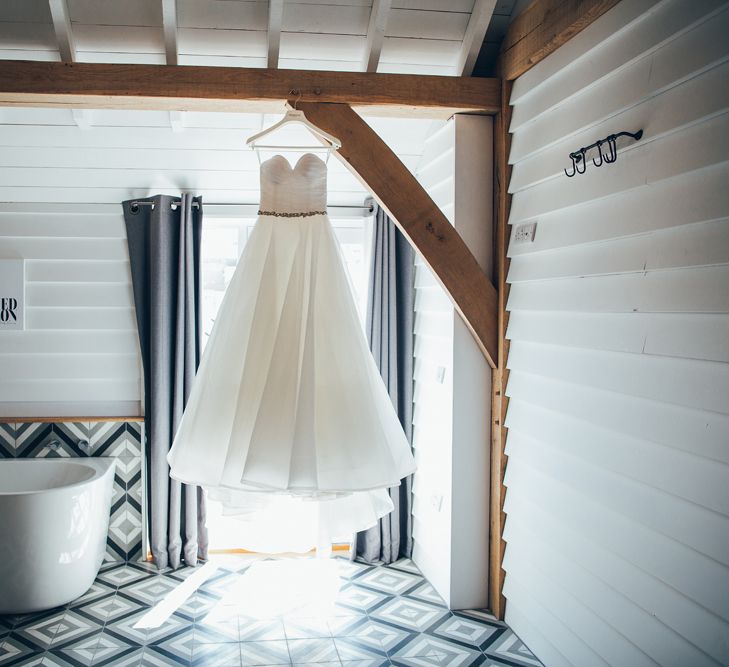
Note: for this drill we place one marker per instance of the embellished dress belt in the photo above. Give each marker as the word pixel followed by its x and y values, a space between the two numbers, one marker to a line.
pixel 302 214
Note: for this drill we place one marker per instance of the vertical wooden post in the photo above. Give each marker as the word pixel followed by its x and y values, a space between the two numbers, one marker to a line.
pixel 502 203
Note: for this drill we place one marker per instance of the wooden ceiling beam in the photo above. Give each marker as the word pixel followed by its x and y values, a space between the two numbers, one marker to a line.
pixel 275 19
pixel 542 28
pixel 395 188
pixel 475 32
pixel 193 88
pixel 376 34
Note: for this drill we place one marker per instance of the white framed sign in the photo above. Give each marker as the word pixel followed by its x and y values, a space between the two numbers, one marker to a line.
pixel 12 294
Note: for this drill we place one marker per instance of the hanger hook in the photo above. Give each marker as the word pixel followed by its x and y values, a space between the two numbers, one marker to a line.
pixel 574 167
pixel 299 95
pixel 599 152
pixel 613 149
pixel 580 159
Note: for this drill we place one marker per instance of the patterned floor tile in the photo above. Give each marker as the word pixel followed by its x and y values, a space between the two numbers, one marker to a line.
pixel 98 590
pixel 454 654
pixel 380 636
pixel 313 650
pixel 508 646
pixel 14 649
pixel 39 633
pixel 306 628
pixel 410 614
pixel 481 615
pixel 121 575
pixel 176 646
pixel 389 581
pixel 77 653
pixel 413 644
pixel 112 650
pixel 350 649
pixel 217 633
pixel 256 629
pixel 373 662
pixel 466 631
pixel 350 569
pixel 198 605
pixel 426 593
pixel 73 627
pixel 31 660
pixel 216 655
pixel 148 590
pixel 109 608
pixel 274 652
pixel 360 598
pixel 346 624
pixel 155 656
pixel 406 565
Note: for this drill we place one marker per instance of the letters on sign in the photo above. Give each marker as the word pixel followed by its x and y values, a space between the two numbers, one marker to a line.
pixel 12 294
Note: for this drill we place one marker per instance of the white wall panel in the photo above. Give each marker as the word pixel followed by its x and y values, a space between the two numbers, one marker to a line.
pixel 452 380
pixel 79 354
pixel 617 524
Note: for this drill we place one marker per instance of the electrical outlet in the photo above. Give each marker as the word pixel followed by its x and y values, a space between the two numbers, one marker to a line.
pixel 525 233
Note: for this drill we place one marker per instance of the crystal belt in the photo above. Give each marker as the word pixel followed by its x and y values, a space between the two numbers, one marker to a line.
pixel 303 214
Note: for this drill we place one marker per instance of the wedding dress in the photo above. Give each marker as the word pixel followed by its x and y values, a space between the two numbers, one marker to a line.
pixel 288 414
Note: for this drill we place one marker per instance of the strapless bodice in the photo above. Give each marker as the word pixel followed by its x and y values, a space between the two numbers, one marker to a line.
pixel 302 189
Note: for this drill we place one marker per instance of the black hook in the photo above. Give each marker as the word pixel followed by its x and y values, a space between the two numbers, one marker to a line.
pixel 580 157
pixel 613 149
pixel 599 152
pixel 574 167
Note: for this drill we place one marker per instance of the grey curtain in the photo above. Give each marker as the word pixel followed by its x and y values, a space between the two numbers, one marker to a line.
pixel 164 252
pixel 390 315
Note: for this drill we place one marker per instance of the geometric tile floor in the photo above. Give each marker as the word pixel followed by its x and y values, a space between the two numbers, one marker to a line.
pixel 383 615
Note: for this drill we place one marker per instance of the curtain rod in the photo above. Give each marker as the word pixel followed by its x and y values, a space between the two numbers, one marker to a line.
pixel 134 206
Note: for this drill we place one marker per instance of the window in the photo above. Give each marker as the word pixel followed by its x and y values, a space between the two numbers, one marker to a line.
pixel 223 240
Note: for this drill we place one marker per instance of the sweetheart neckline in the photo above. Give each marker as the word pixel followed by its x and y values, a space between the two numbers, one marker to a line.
pixel 298 162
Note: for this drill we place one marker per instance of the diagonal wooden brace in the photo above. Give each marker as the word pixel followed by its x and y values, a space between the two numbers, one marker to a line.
pixel 370 159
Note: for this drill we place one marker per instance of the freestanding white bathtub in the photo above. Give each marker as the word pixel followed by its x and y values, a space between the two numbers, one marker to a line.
pixel 54 519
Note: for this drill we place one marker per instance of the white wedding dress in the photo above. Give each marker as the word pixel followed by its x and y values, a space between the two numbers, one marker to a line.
pixel 288 419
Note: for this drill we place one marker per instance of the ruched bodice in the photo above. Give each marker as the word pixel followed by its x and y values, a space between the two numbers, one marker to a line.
pixel 302 189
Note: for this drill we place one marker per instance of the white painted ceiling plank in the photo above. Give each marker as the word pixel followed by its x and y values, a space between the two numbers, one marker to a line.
pixel 62 27
pixel 169 28
pixel 275 17
pixel 475 33
pixel 376 34
pixel 67 49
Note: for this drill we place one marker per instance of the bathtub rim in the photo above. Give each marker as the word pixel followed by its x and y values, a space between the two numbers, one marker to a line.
pixel 100 465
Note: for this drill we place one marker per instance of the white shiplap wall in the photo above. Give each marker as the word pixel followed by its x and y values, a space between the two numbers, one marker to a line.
pixel 452 380
pixel 617 498
pixel 60 193
pixel 433 389
pixel 79 354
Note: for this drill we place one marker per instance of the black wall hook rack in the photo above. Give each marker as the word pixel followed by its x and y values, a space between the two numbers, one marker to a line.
pixel 579 157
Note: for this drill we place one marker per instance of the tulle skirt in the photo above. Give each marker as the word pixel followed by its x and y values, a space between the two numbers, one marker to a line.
pixel 287 400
